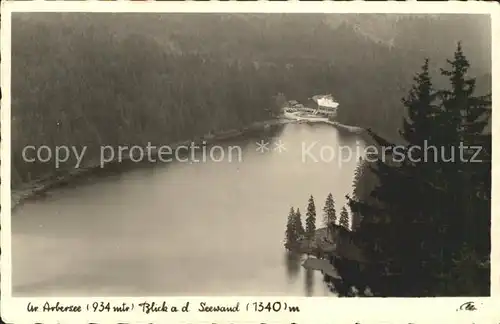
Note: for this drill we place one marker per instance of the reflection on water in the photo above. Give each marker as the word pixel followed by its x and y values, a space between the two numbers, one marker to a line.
pixel 213 228
pixel 294 267
pixel 293 264
pixel 309 282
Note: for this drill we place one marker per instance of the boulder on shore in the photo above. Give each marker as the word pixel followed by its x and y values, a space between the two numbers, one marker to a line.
pixel 321 265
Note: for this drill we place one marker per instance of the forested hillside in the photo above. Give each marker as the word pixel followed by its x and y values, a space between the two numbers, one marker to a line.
pixel 110 79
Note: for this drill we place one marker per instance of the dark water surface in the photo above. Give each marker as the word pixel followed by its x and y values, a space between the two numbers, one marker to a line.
pixel 208 228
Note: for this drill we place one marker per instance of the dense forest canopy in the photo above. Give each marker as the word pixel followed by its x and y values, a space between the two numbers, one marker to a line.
pixel 114 78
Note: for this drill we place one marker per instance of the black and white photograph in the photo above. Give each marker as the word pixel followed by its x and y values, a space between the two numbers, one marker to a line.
pixel 250 154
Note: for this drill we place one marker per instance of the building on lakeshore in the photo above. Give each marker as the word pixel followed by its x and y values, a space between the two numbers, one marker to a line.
pixel 326 104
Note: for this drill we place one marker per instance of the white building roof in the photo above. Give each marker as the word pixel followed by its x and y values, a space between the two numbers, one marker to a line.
pixel 327 102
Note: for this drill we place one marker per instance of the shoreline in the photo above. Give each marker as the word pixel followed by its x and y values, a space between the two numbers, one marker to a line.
pixel 40 187
pixel 316 120
pixel 352 129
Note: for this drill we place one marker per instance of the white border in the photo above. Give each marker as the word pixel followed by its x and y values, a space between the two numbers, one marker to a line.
pixel 313 310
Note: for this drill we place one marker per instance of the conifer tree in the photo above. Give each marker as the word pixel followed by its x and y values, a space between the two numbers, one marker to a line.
pixel 299 228
pixel 344 218
pixel 464 111
pixel 310 219
pixel 468 182
pixel 291 236
pixel 329 216
pixel 399 258
pixel 419 125
pixel 363 183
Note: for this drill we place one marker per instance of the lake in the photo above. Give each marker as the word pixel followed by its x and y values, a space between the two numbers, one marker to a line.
pixel 206 228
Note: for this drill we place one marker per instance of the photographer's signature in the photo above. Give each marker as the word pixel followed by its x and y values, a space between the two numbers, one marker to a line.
pixel 468 306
